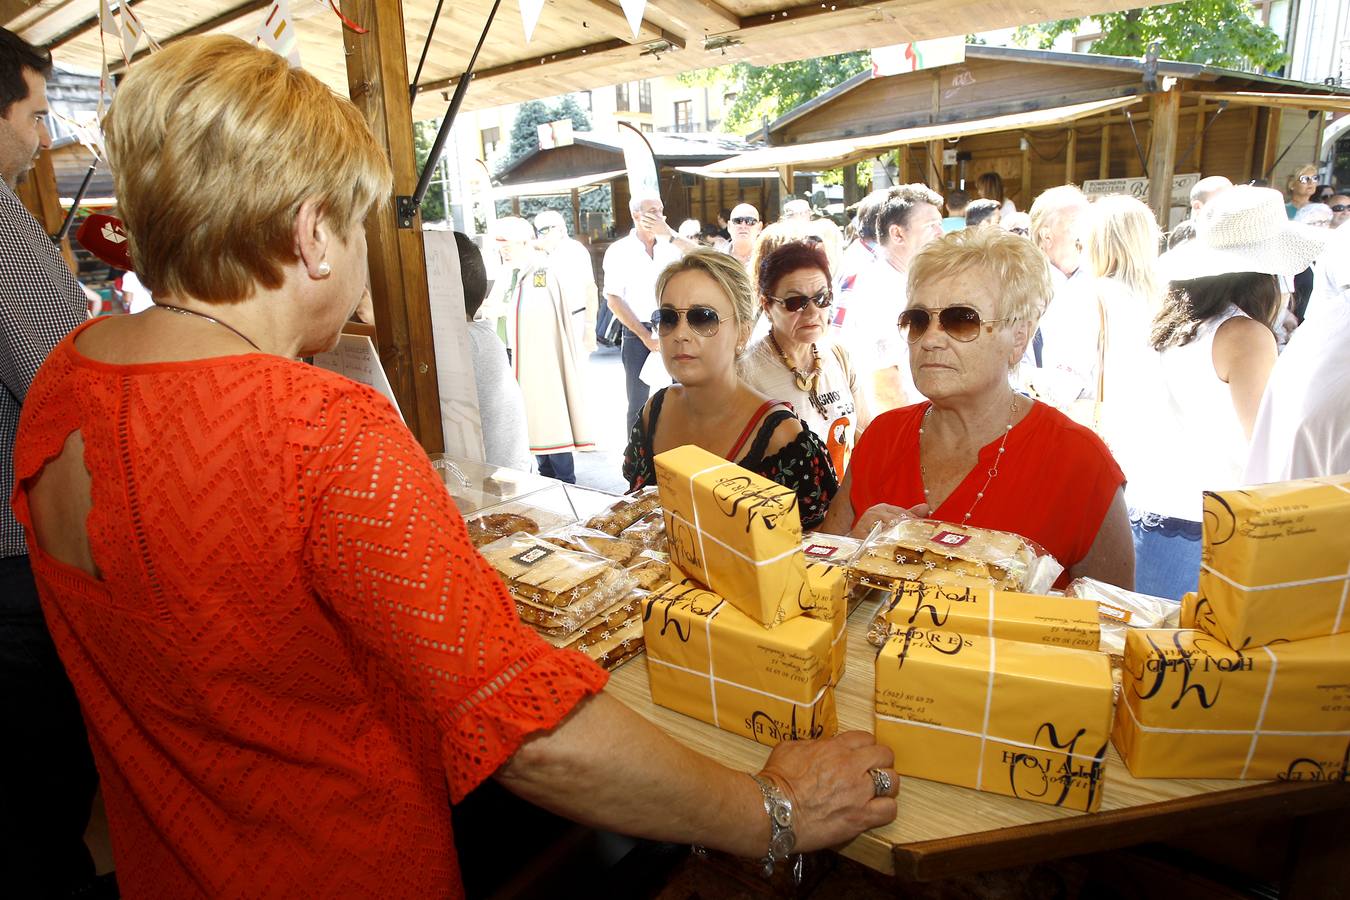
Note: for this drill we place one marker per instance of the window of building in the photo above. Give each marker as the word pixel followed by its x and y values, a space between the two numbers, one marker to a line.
pixel 584 100
pixel 683 116
pixel 644 96
pixel 491 137
pixel 645 126
pixel 621 97
pixel 1083 43
pixel 729 99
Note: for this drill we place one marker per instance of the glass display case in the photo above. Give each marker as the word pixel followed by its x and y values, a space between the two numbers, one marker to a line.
pixel 481 488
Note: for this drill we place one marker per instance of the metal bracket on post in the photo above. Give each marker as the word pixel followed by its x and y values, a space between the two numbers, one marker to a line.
pixel 405 210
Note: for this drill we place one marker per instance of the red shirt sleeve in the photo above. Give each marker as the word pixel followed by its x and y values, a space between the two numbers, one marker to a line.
pixel 389 554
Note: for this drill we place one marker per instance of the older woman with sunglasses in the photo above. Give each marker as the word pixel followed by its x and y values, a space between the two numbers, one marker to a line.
pixel 706 308
pixel 977 453
pixel 796 360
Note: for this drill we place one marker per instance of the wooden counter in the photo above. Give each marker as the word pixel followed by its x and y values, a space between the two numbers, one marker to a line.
pixel 944 830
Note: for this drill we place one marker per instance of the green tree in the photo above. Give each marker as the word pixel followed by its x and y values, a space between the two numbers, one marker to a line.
pixel 525 140
pixel 773 90
pixel 1212 32
pixel 433 204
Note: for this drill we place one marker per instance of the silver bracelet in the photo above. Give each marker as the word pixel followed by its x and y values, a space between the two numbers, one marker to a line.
pixel 781 836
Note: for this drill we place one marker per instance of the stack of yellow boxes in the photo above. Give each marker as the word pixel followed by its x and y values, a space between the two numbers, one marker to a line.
pixel 1256 683
pixel 747 635
pixel 997 691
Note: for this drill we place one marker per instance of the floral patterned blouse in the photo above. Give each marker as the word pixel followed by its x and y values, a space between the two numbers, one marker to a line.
pixel 802 464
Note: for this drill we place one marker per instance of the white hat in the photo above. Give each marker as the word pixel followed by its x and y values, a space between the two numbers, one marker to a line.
pixel 690 228
pixel 549 218
pixel 745 211
pixel 1244 229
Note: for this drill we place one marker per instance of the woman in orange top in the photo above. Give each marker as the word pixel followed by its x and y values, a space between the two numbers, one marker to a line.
pixel 977 453
pixel 289 657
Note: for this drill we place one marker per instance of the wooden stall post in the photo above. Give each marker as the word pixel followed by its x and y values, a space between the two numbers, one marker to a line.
pixel 850 184
pixel 1071 156
pixel 1162 157
pixel 1025 142
pixel 1270 149
pixel 576 213
pixel 902 164
pixel 933 174
pixel 377 78
pixel 1104 163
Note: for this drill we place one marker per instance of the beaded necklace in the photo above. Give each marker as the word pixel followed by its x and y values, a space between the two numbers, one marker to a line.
pixel 992 471
pixel 805 381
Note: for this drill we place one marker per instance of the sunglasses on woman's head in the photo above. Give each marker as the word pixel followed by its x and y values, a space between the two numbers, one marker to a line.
pixel 961 323
pixel 703 320
pixel 797 302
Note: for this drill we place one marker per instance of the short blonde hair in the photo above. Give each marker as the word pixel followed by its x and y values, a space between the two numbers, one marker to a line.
pixel 1121 242
pixel 1019 269
pixel 722 268
pixel 214 145
pixel 1294 176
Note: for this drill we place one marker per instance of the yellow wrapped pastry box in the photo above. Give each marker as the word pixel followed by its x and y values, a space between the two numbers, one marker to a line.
pixel 1192 707
pixel 708 660
pixel 1276 560
pixel 824 596
pixel 1009 717
pixel 1059 621
pixel 733 531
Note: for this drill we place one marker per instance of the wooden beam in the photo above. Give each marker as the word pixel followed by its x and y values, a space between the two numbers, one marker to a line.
pixel 704 17
pixel 228 17
pixel 548 59
pixel 1071 156
pixel 12 9
pixel 1253 116
pixel 377 74
pixel 1162 155
pixel 80 28
pixel 1025 196
pixel 1270 150
pixel 1104 162
pixel 610 19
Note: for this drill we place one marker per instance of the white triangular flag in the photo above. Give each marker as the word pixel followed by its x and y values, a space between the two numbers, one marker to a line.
pixel 131 35
pixel 633 10
pixel 106 22
pixel 529 16
pixel 277 32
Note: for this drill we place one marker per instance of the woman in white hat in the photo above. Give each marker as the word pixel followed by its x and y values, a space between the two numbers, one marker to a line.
pixel 1215 351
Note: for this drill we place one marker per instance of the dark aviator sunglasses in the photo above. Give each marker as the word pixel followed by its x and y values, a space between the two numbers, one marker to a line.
pixel 961 323
pixel 797 302
pixel 703 320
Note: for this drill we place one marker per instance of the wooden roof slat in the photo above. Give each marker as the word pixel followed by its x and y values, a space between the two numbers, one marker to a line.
pixel 612 20
pixel 225 19
pixel 699 17
pixel 1339 103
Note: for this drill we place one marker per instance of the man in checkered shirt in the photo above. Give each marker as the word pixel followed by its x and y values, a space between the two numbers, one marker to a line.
pixel 47 777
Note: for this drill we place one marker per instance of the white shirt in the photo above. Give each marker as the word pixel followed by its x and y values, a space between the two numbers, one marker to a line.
pixel 866 325
pixel 570 261
pixel 1303 428
pixel 763 370
pixel 1069 329
pixel 630 273
pixel 1198 441
pixel 1331 277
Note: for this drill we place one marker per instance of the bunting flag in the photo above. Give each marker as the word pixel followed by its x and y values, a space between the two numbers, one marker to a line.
pixel 633 10
pixel 131 35
pixel 149 38
pixel 106 22
pixel 277 32
pixel 529 16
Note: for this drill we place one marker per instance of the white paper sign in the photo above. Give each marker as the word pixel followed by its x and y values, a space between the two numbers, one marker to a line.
pixel 461 422
pixel 356 358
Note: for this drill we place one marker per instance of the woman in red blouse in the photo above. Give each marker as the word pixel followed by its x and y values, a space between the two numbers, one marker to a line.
pixel 289 657
pixel 977 452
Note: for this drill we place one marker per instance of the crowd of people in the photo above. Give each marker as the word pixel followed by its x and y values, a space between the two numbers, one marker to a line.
pixel 268 614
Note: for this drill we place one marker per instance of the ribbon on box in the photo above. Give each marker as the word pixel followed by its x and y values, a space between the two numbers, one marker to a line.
pixel 1327 579
pixel 1256 731
pixel 714 679
pixel 698 530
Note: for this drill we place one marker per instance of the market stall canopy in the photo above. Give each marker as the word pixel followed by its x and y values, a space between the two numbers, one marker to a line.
pixel 556 186
pixel 830 154
pixel 576 45
pixel 1339 103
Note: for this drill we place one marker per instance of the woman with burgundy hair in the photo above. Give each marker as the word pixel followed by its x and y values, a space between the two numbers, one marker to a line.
pixel 796 361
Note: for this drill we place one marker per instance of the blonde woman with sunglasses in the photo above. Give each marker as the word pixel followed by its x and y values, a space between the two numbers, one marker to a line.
pixel 975 452
pixel 703 321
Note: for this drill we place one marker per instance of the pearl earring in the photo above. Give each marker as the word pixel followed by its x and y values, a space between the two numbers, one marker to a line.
pixel 325 269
